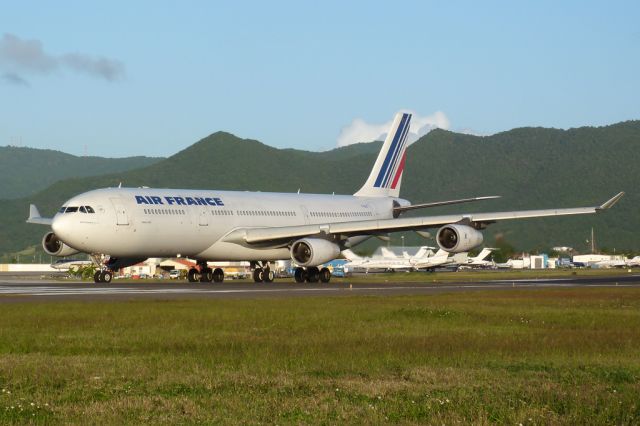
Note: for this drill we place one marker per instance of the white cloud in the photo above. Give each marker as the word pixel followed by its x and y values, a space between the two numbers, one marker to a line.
pixel 361 131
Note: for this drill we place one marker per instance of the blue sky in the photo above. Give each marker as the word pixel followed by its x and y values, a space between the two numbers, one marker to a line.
pixel 151 78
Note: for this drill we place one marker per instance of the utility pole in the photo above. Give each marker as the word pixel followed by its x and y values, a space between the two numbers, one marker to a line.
pixel 593 242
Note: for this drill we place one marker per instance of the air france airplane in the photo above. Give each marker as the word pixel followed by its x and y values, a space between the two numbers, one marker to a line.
pixel 119 227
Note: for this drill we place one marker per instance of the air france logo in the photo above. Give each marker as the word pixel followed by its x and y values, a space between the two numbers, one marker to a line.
pixel 179 201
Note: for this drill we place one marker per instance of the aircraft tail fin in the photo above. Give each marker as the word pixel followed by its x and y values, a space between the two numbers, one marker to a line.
pixel 441 253
pixel 349 255
pixel 387 252
pixel 422 252
pixel 483 254
pixel 386 176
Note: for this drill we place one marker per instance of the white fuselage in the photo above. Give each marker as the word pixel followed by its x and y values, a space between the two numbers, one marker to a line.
pixel 143 222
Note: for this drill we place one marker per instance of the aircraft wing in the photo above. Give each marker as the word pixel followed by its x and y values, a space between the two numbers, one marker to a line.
pixel 381 226
pixel 401 209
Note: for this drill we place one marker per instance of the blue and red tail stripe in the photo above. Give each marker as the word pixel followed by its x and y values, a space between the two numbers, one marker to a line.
pixel 399 172
pixel 397 157
pixel 394 160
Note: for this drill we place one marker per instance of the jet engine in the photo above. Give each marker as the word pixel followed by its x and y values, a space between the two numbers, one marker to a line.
pixel 458 238
pixel 313 251
pixel 54 247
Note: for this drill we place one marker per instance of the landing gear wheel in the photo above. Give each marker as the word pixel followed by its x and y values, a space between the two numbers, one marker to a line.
pixel 325 275
pixel 218 275
pixel 257 275
pixel 193 275
pixel 268 275
pixel 300 275
pixel 313 274
pixel 206 275
pixel 106 276
pixel 96 277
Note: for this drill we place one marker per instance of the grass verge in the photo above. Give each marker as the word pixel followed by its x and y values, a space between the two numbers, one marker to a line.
pixel 524 356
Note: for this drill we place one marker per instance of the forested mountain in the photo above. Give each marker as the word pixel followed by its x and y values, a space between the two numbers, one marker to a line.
pixel 26 171
pixel 530 167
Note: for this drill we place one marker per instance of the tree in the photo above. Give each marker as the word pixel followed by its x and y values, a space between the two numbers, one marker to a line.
pixel 505 250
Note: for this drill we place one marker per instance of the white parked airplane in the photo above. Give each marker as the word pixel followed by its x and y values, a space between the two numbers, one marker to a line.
pixel 613 263
pixel 127 225
pixel 440 258
pixel 66 264
pixel 633 262
pixel 389 261
pixel 479 261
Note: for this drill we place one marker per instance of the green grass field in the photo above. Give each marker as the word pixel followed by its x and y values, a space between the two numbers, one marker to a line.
pixel 554 356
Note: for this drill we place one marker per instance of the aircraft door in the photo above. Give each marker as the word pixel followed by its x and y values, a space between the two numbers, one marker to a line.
pixel 204 217
pixel 305 214
pixel 121 213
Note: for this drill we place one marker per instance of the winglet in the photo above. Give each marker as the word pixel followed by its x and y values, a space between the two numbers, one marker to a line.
pixel 608 204
pixel 34 216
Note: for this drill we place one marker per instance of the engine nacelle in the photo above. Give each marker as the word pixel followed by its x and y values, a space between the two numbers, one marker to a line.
pixel 458 238
pixel 313 251
pixel 54 247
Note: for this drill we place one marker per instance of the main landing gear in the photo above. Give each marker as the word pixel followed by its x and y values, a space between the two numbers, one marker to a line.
pixel 312 275
pixel 263 274
pixel 204 274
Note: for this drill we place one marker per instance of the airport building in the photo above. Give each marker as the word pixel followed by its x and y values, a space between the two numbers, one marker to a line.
pixel 26 267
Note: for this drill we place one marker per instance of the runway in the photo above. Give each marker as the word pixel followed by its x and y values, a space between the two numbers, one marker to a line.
pixel 20 290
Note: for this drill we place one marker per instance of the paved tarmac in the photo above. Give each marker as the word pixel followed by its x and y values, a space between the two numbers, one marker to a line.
pixel 28 290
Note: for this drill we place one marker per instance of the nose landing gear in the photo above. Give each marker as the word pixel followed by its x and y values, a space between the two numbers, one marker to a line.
pixel 103 276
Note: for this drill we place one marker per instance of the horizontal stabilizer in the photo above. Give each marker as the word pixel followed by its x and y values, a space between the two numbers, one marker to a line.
pixel 34 216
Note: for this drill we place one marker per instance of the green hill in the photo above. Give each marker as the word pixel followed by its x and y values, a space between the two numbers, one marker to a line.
pixel 529 167
pixel 26 171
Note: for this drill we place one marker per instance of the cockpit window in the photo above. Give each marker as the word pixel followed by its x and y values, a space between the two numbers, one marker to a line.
pixel 62 209
pixel 71 210
pixel 90 209
pixel 82 209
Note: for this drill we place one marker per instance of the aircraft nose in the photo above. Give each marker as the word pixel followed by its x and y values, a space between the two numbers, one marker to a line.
pixel 60 226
